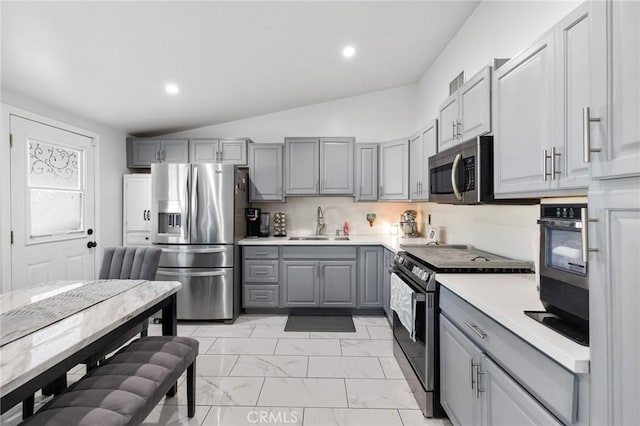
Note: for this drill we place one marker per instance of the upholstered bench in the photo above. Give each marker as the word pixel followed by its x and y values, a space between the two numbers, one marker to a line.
pixel 125 389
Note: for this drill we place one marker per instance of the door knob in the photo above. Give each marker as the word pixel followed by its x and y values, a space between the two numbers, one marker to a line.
pixel 91 244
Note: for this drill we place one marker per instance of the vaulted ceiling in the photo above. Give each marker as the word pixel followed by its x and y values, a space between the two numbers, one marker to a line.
pixel 110 61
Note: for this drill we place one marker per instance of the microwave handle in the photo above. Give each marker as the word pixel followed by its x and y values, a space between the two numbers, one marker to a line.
pixel 454 176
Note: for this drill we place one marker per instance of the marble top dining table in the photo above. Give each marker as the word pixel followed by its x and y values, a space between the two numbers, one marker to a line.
pixel 25 359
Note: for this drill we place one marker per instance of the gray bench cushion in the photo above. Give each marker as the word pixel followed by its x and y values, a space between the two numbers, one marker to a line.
pixel 125 389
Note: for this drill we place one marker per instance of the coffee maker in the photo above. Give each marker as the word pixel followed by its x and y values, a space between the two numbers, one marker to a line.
pixel 252 216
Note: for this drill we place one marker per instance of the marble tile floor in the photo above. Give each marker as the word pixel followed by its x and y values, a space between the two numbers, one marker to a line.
pixel 253 373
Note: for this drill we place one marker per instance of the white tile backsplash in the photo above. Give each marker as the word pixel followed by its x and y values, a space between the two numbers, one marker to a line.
pixel 301 214
pixel 510 231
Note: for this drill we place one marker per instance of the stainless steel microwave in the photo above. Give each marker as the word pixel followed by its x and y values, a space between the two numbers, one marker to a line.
pixel 463 174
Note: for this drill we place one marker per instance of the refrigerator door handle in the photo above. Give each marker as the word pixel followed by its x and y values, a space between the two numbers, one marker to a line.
pixel 193 214
pixel 192 274
pixel 192 250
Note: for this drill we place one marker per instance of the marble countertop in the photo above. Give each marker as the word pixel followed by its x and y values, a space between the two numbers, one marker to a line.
pixel 392 243
pixel 25 358
pixel 504 297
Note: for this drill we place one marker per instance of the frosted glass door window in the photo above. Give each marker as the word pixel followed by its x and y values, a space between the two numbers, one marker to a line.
pixel 56 189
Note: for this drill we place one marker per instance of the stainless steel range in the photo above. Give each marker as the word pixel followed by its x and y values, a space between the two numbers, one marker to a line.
pixel 414 280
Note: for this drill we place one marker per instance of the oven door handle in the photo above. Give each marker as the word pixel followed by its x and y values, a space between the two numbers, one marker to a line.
pixel 560 224
pixel 454 177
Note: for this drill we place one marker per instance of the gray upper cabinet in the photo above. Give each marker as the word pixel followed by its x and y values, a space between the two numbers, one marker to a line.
pixel 422 145
pixel 370 278
pixel 448 122
pixel 265 172
pixel 223 151
pixel 302 166
pixel 319 166
pixel 524 121
pixel 573 88
pixel 393 170
pixel 615 88
pixel 539 100
pixel 338 284
pixel 300 285
pixel 336 166
pixel 141 153
pixel 366 179
pixel 466 114
pixel 475 106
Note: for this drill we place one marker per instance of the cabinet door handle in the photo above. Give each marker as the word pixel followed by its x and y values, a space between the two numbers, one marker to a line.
pixel 545 157
pixel 473 368
pixel 585 235
pixel 458 125
pixel 586 134
pixel 478 374
pixel 220 155
pixel 476 329
pixel 261 273
pixel 554 154
pixel 144 215
pixel 260 253
pixel 453 129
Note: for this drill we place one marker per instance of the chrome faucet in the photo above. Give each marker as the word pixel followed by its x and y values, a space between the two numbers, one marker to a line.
pixel 320 222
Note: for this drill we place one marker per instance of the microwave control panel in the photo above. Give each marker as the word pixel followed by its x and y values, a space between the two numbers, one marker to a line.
pixel 469 174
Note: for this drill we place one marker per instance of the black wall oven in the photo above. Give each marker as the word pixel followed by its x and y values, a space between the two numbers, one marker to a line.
pixel 564 284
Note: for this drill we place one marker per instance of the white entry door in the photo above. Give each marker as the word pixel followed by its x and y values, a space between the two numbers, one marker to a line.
pixel 52 204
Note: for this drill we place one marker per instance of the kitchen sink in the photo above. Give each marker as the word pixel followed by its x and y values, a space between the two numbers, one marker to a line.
pixel 319 238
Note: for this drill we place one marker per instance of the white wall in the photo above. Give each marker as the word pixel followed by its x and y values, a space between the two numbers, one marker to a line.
pixel 373 117
pixel 495 29
pixel 112 158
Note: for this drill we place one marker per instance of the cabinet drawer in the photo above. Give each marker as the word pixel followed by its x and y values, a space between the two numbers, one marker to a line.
pixel 261 296
pixel 260 252
pixel 550 383
pixel 137 239
pixel 319 252
pixel 261 271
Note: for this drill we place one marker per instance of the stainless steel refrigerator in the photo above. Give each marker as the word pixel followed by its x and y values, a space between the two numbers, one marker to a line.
pixel 197 216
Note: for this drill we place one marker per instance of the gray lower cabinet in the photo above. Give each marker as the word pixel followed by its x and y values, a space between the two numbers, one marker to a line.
pixel 325 284
pixel 313 276
pixel 459 358
pixel 338 284
pixel 370 277
pixel 260 277
pixel 476 391
pixel 300 283
pixel 386 285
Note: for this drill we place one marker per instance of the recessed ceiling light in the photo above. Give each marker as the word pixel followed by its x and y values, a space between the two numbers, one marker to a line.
pixel 171 89
pixel 348 51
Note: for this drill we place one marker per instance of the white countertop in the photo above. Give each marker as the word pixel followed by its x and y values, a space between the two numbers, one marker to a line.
pixel 389 242
pixel 504 298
